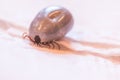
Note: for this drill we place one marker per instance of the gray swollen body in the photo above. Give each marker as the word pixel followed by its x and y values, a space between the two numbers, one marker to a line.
pixel 51 23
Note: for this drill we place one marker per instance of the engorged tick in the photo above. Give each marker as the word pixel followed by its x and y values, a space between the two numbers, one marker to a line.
pixel 50 24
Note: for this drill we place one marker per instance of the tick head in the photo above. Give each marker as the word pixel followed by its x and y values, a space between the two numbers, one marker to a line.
pixel 37 39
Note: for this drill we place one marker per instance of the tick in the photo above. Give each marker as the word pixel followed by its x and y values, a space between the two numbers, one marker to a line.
pixel 50 25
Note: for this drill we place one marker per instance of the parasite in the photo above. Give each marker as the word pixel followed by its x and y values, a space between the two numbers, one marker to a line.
pixel 50 25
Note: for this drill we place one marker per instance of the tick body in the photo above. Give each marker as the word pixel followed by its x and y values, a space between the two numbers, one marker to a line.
pixel 50 24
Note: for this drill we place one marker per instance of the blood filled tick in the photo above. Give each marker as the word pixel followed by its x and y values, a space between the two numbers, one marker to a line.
pixel 50 24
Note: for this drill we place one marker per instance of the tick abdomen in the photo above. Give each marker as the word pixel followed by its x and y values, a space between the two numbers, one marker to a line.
pixel 51 23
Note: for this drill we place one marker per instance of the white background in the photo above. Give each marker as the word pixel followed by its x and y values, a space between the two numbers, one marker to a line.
pixel 96 21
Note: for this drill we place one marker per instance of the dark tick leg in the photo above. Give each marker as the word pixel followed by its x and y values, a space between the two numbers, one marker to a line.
pixel 38 42
pixel 48 45
pixel 57 44
pixel 45 44
pixel 53 46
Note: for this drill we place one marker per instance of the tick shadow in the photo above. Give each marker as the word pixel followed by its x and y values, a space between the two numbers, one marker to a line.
pixel 91 44
pixel 65 50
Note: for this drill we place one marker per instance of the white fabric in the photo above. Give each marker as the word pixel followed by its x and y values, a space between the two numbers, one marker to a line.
pixel 94 41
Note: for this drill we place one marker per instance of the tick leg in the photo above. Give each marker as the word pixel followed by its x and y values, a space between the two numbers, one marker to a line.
pixel 25 35
pixel 53 46
pixel 57 44
pixel 47 44
pixel 39 45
